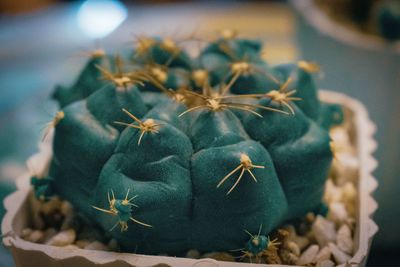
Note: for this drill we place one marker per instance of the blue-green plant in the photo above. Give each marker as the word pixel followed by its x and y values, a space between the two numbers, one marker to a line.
pixel 234 145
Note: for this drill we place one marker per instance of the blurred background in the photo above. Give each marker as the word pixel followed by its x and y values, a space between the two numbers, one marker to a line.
pixel 41 45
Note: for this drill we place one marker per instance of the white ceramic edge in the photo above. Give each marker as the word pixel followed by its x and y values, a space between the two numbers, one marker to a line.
pixel 367 184
pixel 318 19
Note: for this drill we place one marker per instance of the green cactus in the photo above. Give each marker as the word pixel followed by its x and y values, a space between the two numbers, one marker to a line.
pixel 258 247
pixel 192 165
pixel 388 17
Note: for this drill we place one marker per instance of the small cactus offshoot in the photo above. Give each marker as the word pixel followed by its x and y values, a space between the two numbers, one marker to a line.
pixel 257 247
pixel 122 209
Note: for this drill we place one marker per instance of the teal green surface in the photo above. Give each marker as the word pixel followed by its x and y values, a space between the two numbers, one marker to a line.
pixel 162 187
pixel 305 87
pixel 88 82
pixel 301 153
pixel 257 244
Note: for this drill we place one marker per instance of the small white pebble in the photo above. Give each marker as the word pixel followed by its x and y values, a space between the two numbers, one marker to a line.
pixel 291 231
pixel 288 257
pixel 308 255
pixel 351 223
pixel 347 166
pixel 337 212
pixel 301 241
pixel 324 231
pixel 323 254
pixel 344 240
pixel 349 192
pixel 293 248
pixel 340 136
pixel 193 254
pixel 82 243
pixel 96 245
pixel 332 193
pixel 339 256
pixel 49 233
pixel 63 238
pixel 310 217
pixel 35 236
pixel 325 263
pixel 26 232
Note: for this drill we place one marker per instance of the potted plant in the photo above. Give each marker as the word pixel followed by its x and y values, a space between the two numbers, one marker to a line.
pixel 219 160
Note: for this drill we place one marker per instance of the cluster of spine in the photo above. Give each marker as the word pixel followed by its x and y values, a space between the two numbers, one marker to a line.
pixel 206 146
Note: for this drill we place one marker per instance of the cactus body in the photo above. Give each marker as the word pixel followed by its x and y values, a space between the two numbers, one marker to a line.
pixel 175 169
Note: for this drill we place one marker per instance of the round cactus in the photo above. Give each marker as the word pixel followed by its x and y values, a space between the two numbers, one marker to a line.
pixel 191 165
pixel 389 19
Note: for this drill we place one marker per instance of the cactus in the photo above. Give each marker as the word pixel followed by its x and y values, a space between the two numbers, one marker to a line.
pixel 389 19
pixel 192 165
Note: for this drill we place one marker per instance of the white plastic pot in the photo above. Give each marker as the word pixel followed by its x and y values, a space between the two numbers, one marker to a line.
pixel 19 212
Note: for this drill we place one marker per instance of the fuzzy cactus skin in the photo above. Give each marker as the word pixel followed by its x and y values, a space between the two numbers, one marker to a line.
pixel 175 170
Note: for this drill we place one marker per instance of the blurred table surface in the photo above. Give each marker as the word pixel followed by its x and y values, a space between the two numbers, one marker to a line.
pixel 39 50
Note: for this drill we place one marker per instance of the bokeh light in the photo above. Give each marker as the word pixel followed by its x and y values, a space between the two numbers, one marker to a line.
pixel 98 18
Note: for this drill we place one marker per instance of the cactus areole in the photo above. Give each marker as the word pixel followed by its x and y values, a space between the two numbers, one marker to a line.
pixel 168 153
